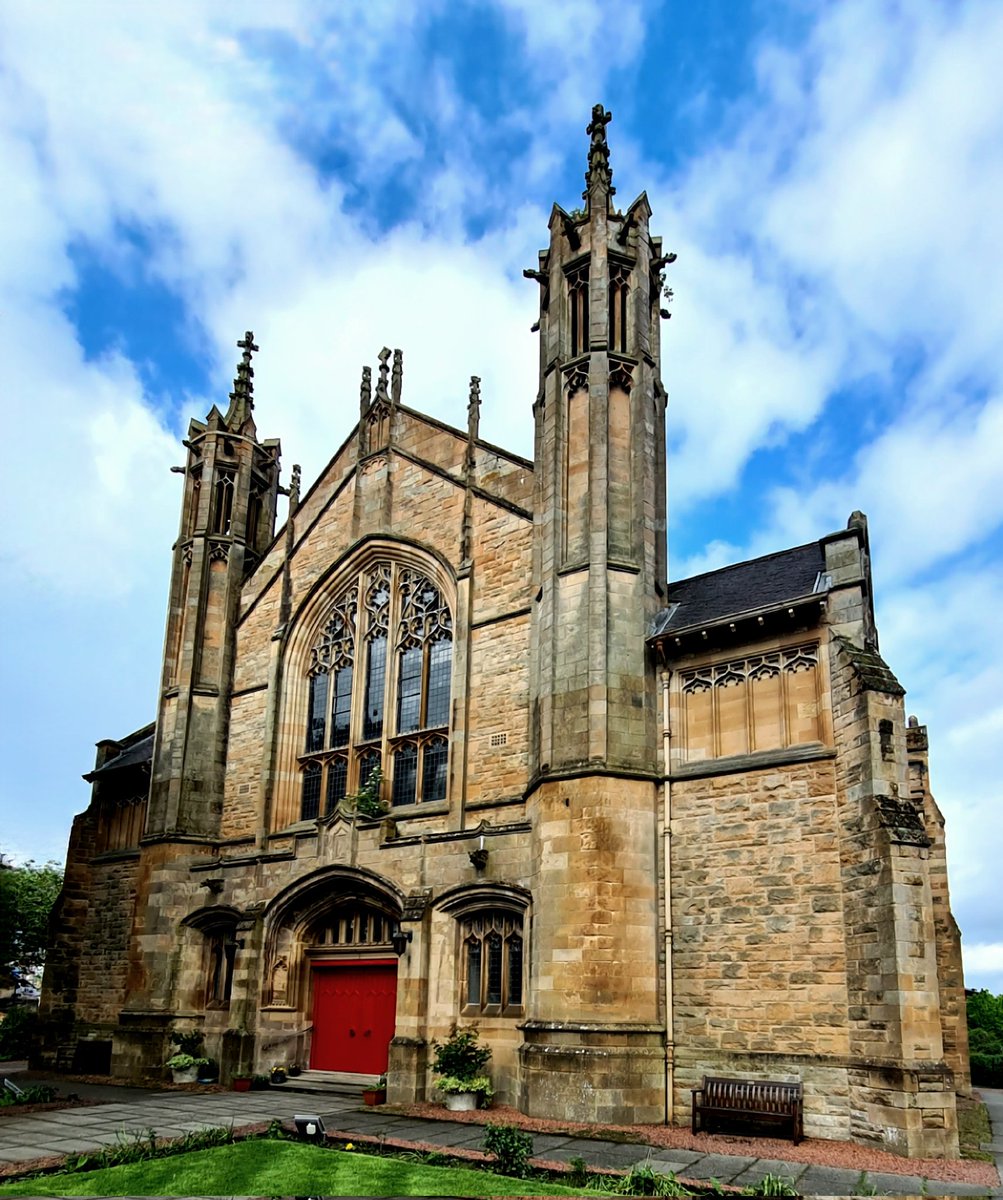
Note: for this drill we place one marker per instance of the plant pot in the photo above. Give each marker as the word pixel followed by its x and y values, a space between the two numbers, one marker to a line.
pixel 188 1075
pixel 292 1072
pixel 277 1076
pixel 374 1096
pixel 461 1101
pixel 241 1083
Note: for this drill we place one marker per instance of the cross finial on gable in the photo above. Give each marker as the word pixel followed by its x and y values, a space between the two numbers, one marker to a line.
pixel 599 176
pixel 242 396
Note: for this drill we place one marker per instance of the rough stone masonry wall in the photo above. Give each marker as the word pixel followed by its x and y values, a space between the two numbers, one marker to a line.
pixel 901 1093
pixel 759 969
pixel 950 970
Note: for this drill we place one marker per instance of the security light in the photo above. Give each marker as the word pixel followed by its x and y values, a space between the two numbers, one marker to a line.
pixel 309 1126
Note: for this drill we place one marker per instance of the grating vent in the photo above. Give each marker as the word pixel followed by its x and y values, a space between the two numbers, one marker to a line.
pixel 499 739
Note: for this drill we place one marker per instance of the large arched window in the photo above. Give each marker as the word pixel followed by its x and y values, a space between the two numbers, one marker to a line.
pixel 379 687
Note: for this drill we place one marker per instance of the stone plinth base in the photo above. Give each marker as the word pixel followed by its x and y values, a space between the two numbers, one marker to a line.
pixel 910 1111
pixel 601 1073
pixel 406 1071
pixel 141 1045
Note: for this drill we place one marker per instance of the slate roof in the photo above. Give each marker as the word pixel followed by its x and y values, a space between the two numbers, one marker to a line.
pixel 139 753
pixel 760 583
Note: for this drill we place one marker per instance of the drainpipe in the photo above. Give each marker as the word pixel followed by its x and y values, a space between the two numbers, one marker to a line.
pixel 667 867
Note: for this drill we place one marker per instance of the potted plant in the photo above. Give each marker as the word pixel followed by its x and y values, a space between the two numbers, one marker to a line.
pixel 241 1083
pixel 460 1062
pixel 185 1067
pixel 259 1083
pixel 209 1072
pixel 375 1095
pixel 277 1075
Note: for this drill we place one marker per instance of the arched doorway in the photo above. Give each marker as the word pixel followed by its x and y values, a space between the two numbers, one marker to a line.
pixel 330 981
pixel 353 987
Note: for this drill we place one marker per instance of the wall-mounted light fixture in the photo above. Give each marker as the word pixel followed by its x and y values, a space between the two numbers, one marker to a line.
pixel 400 939
pixel 479 857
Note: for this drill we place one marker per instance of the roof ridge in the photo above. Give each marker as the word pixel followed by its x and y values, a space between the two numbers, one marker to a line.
pixel 746 562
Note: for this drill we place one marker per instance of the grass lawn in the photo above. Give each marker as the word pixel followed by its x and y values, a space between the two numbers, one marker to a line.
pixel 270 1168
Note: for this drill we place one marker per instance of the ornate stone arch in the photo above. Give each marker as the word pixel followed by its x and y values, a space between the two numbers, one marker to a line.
pixel 209 946
pixel 293 917
pixel 490 936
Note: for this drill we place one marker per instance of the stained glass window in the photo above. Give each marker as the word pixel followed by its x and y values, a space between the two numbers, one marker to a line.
pixel 492 943
pixel 394 711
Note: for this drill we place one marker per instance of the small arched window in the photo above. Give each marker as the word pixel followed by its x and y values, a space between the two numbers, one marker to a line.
pixel 493 961
pixel 379 685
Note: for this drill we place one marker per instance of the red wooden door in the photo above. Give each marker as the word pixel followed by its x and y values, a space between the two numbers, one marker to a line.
pixel 354 1016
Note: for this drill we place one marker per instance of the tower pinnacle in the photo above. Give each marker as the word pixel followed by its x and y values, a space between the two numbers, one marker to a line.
pixel 599 176
pixel 242 396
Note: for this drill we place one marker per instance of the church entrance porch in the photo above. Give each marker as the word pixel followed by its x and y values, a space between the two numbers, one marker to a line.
pixel 354 1015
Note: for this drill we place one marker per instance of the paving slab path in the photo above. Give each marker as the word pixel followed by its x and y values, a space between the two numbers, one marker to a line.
pixel 171 1114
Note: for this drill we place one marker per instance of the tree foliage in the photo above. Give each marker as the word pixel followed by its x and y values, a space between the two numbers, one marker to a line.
pixel 985 1037
pixel 27 894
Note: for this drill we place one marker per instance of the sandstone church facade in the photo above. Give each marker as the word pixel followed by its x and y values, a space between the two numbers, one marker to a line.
pixel 448 747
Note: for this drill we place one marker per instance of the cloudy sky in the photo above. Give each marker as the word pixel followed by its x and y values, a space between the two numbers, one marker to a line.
pixel 340 176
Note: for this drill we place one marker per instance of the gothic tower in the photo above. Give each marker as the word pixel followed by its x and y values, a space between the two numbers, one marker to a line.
pixel 599 578
pixel 227 522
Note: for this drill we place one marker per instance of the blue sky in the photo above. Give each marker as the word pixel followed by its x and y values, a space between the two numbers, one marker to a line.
pixel 340 177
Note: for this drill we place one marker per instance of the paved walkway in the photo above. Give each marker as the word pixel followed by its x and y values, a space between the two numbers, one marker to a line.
pixel 35 1135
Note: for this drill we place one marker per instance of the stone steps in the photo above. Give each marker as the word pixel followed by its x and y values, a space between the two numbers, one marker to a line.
pixel 341 1083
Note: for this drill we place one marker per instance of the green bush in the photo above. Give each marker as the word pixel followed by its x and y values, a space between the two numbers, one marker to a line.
pixel 460 1055
pixel 511 1147
pixel 987 1069
pixel 578 1175
pixel 16 1031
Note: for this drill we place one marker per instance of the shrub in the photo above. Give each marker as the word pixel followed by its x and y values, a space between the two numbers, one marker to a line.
pixel 184 1062
pixel 17 1031
pixel 460 1056
pixel 578 1175
pixel 987 1069
pixel 188 1041
pixel 511 1147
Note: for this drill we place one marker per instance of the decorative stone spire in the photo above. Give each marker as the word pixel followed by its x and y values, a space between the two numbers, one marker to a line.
pixel 242 396
pixel 599 176
pixel 473 418
pixel 474 407
pixel 365 391
pixel 381 386
pixel 397 378
pixel 473 425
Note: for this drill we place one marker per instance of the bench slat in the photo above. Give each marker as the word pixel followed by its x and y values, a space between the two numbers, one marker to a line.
pixel 750 1099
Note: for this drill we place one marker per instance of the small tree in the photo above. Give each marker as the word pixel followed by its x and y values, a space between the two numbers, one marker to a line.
pixel 27 895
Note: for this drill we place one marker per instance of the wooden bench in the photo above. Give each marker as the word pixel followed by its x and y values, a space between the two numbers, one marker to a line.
pixel 753 1100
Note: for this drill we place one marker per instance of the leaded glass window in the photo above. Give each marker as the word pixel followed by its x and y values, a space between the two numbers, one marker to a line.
pixel 393 711
pixel 493 962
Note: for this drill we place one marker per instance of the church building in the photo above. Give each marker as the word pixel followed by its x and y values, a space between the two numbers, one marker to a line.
pixel 450 747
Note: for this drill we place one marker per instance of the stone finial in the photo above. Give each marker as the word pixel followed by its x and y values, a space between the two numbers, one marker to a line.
pixel 295 484
pixel 474 408
pixel 242 396
pixel 365 391
pixel 381 386
pixel 599 176
pixel 397 377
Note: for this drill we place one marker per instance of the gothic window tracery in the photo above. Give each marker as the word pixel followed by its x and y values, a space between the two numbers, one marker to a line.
pixel 223 501
pixel 578 304
pixel 393 712
pixel 767 701
pixel 619 276
pixel 492 979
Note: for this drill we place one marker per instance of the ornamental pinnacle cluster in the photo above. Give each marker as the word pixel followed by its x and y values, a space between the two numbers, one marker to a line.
pixel 449 747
